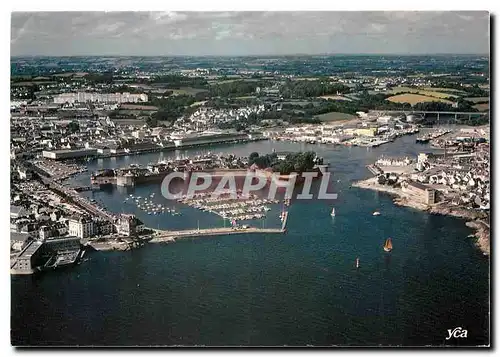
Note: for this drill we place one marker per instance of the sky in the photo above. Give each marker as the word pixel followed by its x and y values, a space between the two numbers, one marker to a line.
pixel 248 33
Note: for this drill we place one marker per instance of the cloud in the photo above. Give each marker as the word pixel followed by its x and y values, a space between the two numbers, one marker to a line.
pixel 226 33
pixel 167 17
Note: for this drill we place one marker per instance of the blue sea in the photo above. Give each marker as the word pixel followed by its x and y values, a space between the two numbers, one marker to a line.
pixel 300 288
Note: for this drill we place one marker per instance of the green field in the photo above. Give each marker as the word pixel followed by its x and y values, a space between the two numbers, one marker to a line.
pixel 236 79
pixel 335 116
pixel 138 107
pixel 440 89
pixel 246 97
pixel 415 98
pixel 187 91
pixel 335 97
pixel 430 92
pixel 128 121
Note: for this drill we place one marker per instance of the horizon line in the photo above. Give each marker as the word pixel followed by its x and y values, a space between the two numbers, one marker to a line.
pixel 265 55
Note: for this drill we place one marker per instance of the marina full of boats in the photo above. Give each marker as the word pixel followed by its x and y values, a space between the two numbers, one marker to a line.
pixel 229 207
pixel 147 205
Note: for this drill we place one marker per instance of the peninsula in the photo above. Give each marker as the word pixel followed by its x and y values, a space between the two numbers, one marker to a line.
pixel 455 182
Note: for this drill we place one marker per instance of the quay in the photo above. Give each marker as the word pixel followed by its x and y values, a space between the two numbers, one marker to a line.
pixel 83 188
pixel 94 154
pixel 434 135
pixel 78 200
pixel 165 236
pixel 172 236
pixel 162 236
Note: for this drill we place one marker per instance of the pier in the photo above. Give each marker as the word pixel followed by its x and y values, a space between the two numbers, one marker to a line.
pixel 431 136
pixel 172 147
pixel 170 236
pixel 165 236
pixel 285 218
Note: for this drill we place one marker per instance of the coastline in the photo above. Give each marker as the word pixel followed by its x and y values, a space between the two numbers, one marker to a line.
pixel 473 220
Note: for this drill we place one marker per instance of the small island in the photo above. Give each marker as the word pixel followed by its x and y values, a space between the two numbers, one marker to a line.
pixel 286 162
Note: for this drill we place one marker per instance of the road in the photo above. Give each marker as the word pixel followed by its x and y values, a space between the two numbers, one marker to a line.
pixel 78 200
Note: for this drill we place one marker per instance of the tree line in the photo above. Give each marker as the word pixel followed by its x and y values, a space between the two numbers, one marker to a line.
pixel 293 162
pixel 307 89
pixel 237 88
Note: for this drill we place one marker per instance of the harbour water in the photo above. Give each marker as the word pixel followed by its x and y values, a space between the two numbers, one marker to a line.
pixel 301 288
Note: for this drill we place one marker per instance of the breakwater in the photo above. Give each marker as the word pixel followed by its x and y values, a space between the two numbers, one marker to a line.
pixel 165 236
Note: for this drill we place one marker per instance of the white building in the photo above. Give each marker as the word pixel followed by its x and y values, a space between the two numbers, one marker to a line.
pixel 138 134
pixel 384 119
pixel 83 97
pixel 129 225
pixel 81 227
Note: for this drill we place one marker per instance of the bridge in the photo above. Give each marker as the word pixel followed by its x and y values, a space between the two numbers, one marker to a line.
pixel 437 113
pixel 428 112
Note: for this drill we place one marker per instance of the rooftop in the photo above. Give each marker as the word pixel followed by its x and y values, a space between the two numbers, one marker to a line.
pixel 63 239
pixel 17 210
pixel 14 236
pixel 65 151
pixel 31 249
pixel 418 185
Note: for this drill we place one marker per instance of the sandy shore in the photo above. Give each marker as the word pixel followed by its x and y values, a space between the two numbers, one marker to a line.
pixel 473 218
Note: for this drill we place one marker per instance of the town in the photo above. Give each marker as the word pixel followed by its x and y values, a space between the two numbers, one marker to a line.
pixel 251 178
pixel 453 182
pixel 61 121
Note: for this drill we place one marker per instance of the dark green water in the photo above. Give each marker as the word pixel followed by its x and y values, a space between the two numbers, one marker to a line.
pixel 301 288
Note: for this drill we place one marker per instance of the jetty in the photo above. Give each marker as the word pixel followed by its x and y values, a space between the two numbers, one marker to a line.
pixel 166 236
